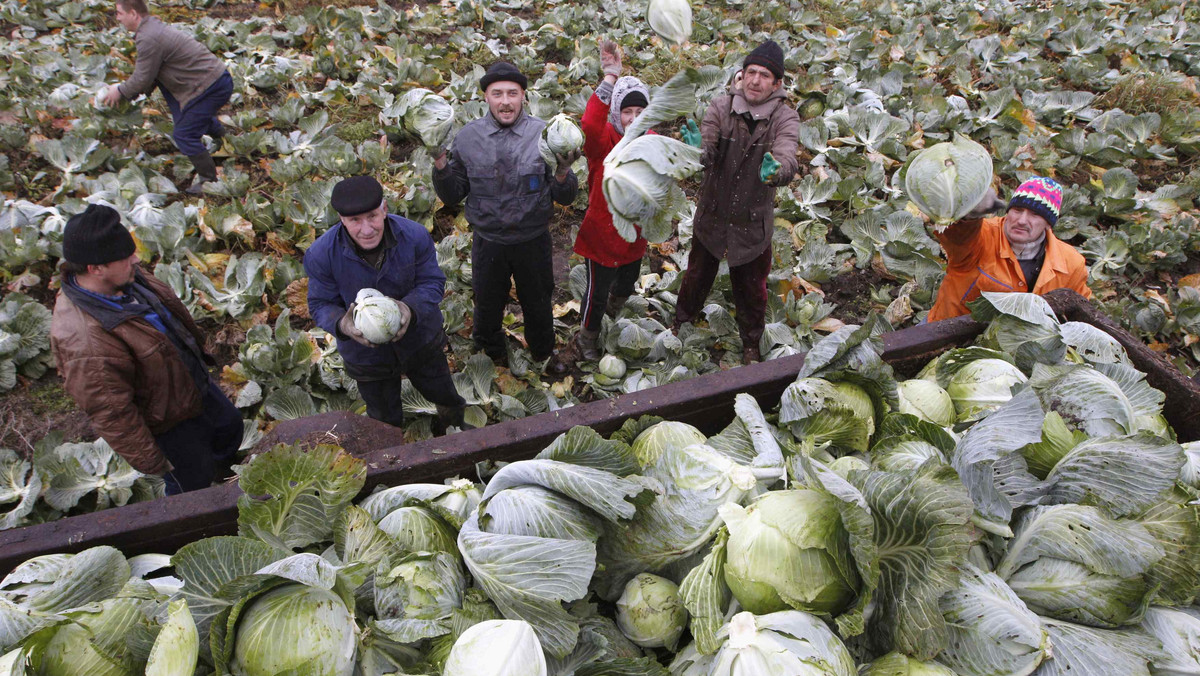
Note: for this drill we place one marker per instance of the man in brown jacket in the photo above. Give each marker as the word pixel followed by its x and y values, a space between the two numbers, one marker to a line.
pixel 195 83
pixel 749 138
pixel 132 358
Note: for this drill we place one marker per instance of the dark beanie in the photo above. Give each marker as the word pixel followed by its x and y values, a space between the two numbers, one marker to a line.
pixel 502 71
pixel 96 237
pixel 634 98
pixel 356 195
pixel 769 55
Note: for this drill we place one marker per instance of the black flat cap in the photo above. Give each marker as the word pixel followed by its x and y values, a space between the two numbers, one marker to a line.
pixel 503 71
pixel 356 195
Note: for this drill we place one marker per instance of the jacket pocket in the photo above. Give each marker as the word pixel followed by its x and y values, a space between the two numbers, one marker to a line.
pixel 994 280
pixel 484 182
pixel 532 179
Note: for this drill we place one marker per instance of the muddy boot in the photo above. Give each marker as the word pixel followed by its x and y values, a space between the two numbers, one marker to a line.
pixel 206 170
pixel 585 343
pixel 615 304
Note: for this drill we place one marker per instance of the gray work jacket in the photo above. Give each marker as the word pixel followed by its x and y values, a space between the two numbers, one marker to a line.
pixel 172 58
pixel 507 184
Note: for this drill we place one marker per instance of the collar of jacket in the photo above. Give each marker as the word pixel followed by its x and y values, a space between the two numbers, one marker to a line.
pixel 103 312
pixel 517 127
pixel 759 111
pixel 1052 260
pixel 145 22
pixel 350 249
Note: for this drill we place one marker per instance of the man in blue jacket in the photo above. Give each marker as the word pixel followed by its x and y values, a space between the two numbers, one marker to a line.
pixel 370 248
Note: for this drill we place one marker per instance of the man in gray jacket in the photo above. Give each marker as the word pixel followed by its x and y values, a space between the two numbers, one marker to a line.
pixel 195 83
pixel 495 165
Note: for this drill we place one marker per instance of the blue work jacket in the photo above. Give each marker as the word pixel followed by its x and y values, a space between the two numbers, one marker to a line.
pixel 409 273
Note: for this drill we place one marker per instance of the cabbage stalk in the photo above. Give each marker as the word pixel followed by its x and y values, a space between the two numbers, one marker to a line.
pixel 947 180
pixel 650 612
pixel 376 315
pixel 497 648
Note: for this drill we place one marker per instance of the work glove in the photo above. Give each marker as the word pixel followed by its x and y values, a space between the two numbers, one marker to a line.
pixel 405 319
pixel 691 134
pixel 563 162
pixel 989 204
pixel 770 167
pixel 610 58
pixel 347 328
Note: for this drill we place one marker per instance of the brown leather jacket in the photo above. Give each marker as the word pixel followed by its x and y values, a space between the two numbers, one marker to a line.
pixel 735 215
pixel 131 381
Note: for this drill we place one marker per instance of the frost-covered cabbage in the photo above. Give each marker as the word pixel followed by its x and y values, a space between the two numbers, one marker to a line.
pixel 672 19
pixel 982 385
pixel 650 612
pixel 376 315
pixel 947 180
pixel 295 629
pixel 560 136
pixel 927 401
pixel 789 549
pixel 649 445
pixel 788 642
pixel 497 648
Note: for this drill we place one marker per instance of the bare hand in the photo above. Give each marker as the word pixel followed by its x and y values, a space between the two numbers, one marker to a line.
pixel 112 96
pixel 610 59
pixel 347 328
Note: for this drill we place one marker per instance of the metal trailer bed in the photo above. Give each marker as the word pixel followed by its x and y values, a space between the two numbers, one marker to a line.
pixel 706 402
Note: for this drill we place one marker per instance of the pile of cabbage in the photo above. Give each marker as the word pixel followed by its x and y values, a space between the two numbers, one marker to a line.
pixel 1020 507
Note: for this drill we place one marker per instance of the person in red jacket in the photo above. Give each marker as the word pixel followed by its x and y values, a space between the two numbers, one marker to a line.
pixel 612 263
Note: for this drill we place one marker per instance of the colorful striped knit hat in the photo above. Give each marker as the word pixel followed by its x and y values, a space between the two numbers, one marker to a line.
pixel 1043 196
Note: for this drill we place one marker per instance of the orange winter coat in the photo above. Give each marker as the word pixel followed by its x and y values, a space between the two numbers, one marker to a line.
pixel 979 258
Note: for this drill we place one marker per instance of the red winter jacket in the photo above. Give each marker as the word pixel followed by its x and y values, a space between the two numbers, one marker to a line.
pixel 598 239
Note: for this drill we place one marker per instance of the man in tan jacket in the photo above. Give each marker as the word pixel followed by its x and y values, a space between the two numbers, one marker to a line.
pixel 749 138
pixel 133 359
pixel 195 83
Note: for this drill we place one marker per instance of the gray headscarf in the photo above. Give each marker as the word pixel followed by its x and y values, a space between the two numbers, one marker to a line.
pixel 624 86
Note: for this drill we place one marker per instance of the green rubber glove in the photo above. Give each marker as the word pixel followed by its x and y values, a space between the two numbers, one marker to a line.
pixel 691 134
pixel 769 168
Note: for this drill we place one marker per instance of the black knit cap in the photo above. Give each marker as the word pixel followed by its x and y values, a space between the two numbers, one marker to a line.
pixel 769 55
pixel 634 98
pixel 502 71
pixel 96 237
pixel 356 195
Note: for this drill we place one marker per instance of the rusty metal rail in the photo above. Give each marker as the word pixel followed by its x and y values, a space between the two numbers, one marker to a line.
pixel 706 402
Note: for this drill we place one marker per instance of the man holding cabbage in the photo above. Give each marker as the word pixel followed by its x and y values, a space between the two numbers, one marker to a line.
pixel 749 138
pixel 1016 253
pixel 374 282
pixel 509 189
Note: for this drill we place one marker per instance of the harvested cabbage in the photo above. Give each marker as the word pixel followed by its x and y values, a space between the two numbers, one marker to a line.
pixel 948 180
pixel 376 315
pixel 671 19
pixel 561 136
pixel 650 612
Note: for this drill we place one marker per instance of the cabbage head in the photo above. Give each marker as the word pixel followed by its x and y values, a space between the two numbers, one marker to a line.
pixel 611 368
pixel 671 19
pixel 841 413
pixel 1189 475
pixel 560 136
pixel 649 445
pixel 1179 633
pixel 497 648
pixel 295 629
pixel 640 184
pixel 927 401
pixel 376 315
pixel 981 386
pixel 947 180
pixel 789 549
pixel 899 664
pixel 906 455
pixel 788 642
pixel 650 612
pixel 427 116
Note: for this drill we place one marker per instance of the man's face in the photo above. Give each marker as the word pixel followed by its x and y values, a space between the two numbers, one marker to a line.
pixel 629 114
pixel 1022 226
pixel 128 18
pixel 366 229
pixel 758 83
pixel 116 274
pixel 504 99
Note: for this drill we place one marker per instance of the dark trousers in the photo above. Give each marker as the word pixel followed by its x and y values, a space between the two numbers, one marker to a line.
pixel 749 290
pixel 430 375
pixel 602 280
pixel 199 447
pixel 200 117
pixel 529 264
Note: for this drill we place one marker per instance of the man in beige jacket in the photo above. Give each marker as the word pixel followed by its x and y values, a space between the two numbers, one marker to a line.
pixel 195 83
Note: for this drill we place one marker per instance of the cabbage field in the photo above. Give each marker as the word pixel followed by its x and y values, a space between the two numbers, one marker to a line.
pixel 1019 507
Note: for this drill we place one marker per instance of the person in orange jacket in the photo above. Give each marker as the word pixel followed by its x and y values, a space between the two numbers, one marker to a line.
pixel 1017 252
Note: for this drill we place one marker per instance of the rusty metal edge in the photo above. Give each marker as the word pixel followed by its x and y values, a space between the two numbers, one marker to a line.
pixel 706 401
